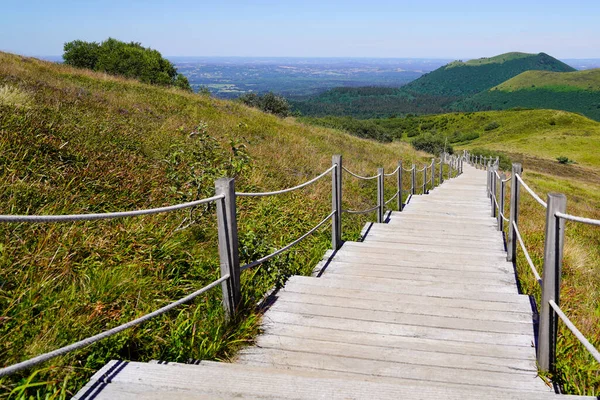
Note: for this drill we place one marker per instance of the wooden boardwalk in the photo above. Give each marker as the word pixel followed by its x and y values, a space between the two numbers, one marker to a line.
pixel 426 306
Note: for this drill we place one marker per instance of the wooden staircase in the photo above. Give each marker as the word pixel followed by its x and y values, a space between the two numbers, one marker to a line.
pixel 426 306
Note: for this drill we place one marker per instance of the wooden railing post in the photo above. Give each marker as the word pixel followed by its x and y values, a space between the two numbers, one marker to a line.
pixel 553 253
pixel 400 198
pixel 425 179
pixel 228 244
pixel 413 179
pixel 450 169
pixel 494 196
pixel 336 203
pixel 514 213
pixel 432 173
pixel 380 195
pixel 441 178
pixel 501 202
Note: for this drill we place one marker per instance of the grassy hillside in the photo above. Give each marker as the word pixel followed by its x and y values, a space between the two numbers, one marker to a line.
pixel 570 91
pixel 73 141
pixel 463 79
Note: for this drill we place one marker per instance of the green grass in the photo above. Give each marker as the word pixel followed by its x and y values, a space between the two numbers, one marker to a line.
pixel 85 142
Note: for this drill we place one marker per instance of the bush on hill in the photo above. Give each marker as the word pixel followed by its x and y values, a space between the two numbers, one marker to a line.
pixel 130 60
pixel 434 144
pixel 268 102
pixel 358 127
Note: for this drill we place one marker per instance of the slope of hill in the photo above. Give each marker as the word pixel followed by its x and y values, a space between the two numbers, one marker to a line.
pixel 571 91
pixel 74 141
pixel 467 78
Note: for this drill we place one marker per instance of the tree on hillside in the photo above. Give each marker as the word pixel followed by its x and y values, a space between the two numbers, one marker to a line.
pixel 131 60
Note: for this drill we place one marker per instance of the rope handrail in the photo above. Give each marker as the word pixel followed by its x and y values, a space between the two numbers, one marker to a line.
pixel 507 179
pixel 288 189
pixel 361 212
pixel 497 174
pixel 109 215
pixel 529 261
pixel 92 339
pixel 394 172
pixel 501 212
pixel 281 250
pixel 359 176
pixel 393 197
pixel 421 170
pixel 582 339
pixel 575 218
pixel 408 170
pixel 531 192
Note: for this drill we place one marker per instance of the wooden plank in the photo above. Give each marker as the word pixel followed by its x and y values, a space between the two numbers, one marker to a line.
pixel 447 293
pixel 406 357
pixel 419 258
pixel 497 353
pixel 228 381
pixel 447 310
pixel 424 274
pixel 522 305
pixel 426 285
pixel 357 314
pixel 362 367
pixel 434 247
pixel 428 332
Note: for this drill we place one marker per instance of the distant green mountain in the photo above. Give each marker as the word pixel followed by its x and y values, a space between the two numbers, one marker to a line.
pixel 570 91
pixel 467 78
pixel 434 92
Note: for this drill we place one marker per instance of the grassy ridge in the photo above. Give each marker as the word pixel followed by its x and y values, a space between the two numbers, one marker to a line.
pixel 73 141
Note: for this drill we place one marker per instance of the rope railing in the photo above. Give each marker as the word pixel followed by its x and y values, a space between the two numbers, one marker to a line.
pixel 366 178
pixel 93 339
pixel 108 215
pixel 582 339
pixel 527 256
pixel 531 192
pixel 574 218
pixel 394 172
pixel 393 197
pixel 368 210
pixel 303 185
pixel 281 250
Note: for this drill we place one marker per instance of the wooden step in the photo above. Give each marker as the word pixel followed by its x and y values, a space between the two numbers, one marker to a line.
pixel 230 381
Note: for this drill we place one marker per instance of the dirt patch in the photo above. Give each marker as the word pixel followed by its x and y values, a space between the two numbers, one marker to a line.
pixel 553 167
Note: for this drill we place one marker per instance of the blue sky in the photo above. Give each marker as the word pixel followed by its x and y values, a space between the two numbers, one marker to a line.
pixel 376 28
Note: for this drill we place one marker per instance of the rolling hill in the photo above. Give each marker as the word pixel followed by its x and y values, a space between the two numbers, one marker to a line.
pixel 570 91
pixel 466 78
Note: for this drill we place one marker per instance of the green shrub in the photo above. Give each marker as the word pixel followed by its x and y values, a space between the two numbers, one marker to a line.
pixel 130 60
pixel 268 102
pixel 491 126
pixel 433 144
pixel 564 160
